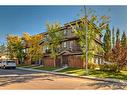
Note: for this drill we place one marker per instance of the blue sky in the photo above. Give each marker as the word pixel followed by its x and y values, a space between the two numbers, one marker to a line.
pixel 32 19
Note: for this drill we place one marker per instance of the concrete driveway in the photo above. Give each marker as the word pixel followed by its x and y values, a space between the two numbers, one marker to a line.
pixel 29 80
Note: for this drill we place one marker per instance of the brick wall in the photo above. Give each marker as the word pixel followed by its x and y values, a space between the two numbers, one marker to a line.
pixel 75 61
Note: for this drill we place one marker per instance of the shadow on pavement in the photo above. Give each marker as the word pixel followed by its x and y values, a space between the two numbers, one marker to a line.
pixel 24 79
pixel 112 85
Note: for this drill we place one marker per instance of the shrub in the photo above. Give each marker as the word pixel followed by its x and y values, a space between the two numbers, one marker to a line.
pixel 109 67
pixel 92 66
pixel 125 68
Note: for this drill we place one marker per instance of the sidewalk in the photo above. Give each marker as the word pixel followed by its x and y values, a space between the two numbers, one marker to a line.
pixel 72 75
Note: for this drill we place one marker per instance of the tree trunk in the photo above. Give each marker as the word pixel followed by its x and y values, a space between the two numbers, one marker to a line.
pixel 84 63
pixel 30 61
pixel 61 60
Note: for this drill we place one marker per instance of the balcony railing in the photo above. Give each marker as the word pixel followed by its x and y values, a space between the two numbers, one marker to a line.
pixel 73 49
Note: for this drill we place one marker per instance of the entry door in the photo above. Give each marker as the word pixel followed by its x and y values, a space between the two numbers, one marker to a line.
pixel 65 60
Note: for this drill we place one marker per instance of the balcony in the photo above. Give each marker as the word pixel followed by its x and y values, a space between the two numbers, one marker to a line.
pixel 71 49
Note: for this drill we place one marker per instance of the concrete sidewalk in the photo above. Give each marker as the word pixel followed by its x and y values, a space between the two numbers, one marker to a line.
pixel 72 75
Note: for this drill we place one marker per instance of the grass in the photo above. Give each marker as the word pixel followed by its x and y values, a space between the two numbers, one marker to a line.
pixel 36 67
pixel 46 68
pixel 23 65
pixel 75 71
pixel 96 73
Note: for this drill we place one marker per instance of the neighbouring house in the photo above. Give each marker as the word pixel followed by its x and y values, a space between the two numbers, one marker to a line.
pixel 70 53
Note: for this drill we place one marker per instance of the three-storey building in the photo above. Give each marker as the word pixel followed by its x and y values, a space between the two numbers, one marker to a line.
pixel 70 52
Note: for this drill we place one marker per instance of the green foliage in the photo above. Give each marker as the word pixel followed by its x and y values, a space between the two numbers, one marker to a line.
pixel 113 67
pixel 113 38
pixel 124 68
pixel 117 35
pixel 55 36
pixel 80 32
pixel 123 40
pixel 3 49
pixel 92 66
pixel 107 40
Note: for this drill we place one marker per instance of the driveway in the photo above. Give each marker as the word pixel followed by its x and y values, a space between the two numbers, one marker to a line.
pixel 29 80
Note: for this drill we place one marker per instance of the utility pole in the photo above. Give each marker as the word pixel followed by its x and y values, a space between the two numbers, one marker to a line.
pixel 86 66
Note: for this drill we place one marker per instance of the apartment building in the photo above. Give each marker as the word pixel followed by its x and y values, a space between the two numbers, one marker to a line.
pixel 70 52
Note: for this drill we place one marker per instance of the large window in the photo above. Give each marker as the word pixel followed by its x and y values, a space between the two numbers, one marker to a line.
pixel 98 60
pixel 65 44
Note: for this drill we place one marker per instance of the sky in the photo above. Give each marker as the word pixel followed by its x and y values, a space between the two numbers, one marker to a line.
pixel 32 19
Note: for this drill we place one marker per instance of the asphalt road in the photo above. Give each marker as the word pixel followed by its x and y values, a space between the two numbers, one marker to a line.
pixel 28 80
pixel 15 72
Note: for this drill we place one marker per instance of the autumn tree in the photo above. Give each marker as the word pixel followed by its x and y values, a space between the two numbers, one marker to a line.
pixel 31 43
pixel 15 48
pixel 55 36
pixel 123 40
pixel 118 54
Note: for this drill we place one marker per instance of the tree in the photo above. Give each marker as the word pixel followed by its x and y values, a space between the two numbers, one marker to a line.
pixel 15 48
pixel 117 35
pixel 123 40
pixel 3 49
pixel 55 36
pixel 113 38
pixel 107 42
pixel 32 44
pixel 118 55
pixel 94 29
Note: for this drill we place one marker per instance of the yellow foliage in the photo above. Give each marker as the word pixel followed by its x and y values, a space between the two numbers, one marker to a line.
pixel 32 43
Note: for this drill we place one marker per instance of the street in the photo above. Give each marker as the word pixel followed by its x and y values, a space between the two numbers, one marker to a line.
pixel 15 79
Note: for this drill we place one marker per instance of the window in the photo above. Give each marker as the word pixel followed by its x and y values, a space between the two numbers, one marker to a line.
pixel 65 32
pixel 71 44
pixel 96 60
pixel 65 44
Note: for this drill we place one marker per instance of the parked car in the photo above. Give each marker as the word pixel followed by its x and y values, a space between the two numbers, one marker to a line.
pixel 8 64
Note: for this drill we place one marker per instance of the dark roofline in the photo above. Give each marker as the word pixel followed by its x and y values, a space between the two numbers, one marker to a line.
pixel 79 21
pixel 68 24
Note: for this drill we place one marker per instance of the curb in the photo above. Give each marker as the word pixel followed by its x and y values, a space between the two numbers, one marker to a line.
pixel 83 77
